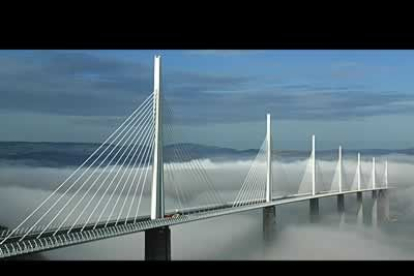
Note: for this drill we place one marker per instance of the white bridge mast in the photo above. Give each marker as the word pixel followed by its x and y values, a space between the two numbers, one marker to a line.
pixel 157 189
pixel 359 172
pixel 373 172
pixel 340 168
pixel 269 160
pixel 386 174
pixel 313 166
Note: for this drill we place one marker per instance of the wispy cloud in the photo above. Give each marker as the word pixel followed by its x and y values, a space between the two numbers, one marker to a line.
pixel 223 52
pixel 356 70
pixel 79 84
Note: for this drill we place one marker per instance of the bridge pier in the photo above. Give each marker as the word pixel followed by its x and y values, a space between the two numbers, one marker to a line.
pixel 158 244
pixel 360 209
pixel 374 209
pixel 269 222
pixel 341 209
pixel 341 204
pixel 383 206
pixel 314 209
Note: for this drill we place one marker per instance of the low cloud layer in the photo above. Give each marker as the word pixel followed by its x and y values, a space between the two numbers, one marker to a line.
pixel 294 239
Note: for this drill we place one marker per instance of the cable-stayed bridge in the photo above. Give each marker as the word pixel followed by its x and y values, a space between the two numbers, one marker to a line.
pixel 106 195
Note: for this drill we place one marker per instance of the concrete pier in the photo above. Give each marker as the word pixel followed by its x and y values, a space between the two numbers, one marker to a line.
pixel 360 209
pixel 383 206
pixel 341 204
pixel 269 222
pixel 158 244
pixel 314 209
pixel 374 209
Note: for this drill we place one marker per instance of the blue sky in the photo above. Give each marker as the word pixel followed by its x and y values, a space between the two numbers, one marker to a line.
pixel 360 99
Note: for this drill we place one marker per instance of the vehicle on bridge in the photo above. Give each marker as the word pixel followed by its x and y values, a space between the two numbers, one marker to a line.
pixel 177 214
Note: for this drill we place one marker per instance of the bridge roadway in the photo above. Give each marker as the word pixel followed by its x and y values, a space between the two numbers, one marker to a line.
pixel 49 240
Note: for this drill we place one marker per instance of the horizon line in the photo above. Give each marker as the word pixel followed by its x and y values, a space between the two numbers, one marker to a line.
pixel 207 145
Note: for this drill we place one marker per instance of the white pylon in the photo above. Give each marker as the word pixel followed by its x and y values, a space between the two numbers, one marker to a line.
pixel 269 160
pixel 386 174
pixel 340 168
pixel 313 166
pixel 157 189
pixel 359 172
pixel 373 172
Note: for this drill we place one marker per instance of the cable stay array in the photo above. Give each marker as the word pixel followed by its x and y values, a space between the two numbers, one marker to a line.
pixel 112 186
pixel 106 189
pixel 354 183
pixel 349 168
pixel 370 176
pixel 323 172
pixel 282 182
pixel 322 178
pixel 380 174
pixel 341 178
pixel 334 187
pixel 366 180
pixel 253 188
pixel 186 179
pixel 305 186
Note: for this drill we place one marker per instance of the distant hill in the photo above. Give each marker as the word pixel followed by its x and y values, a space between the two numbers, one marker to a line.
pixel 73 154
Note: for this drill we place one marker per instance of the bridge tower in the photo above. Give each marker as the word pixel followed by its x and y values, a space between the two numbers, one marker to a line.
pixel 374 207
pixel 341 198
pixel 269 160
pixel 158 240
pixel 340 168
pixel 374 193
pixel 386 174
pixel 269 213
pixel 314 202
pixel 157 188
pixel 360 210
pixel 313 157
pixel 373 173
pixel 383 199
pixel 359 172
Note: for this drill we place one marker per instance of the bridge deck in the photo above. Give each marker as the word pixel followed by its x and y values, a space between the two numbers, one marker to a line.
pixel 13 246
